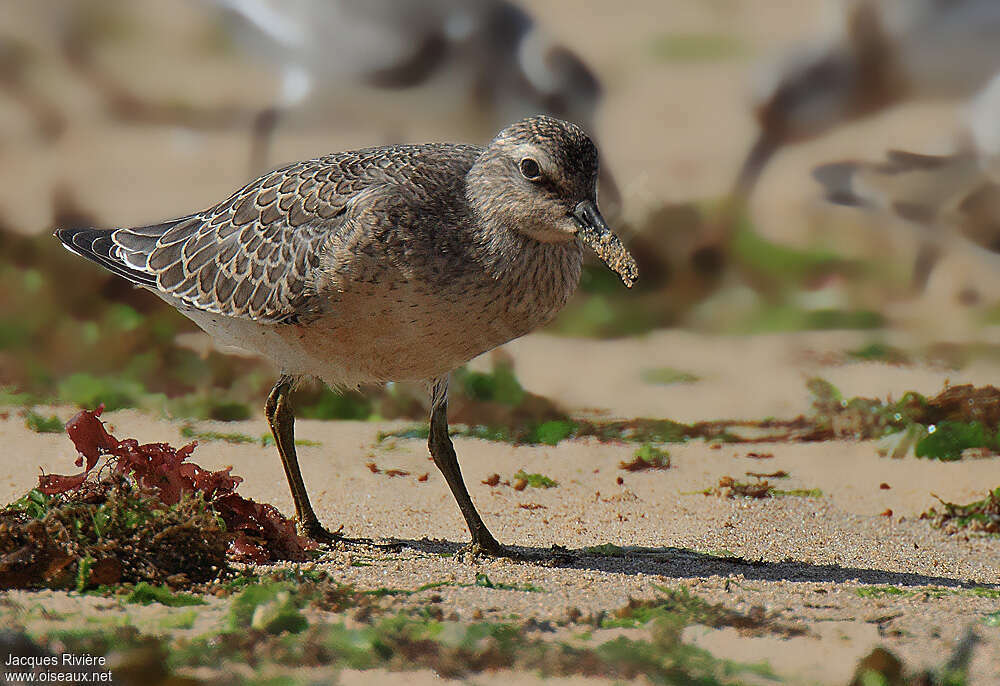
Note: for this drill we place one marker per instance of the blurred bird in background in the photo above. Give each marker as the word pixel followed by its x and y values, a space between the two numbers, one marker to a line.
pixel 953 201
pixel 880 53
pixel 485 62
pixel 884 53
pixel 468 66
pixel 170 103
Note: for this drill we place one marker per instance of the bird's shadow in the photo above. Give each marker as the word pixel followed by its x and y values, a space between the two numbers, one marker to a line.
pixel 681 563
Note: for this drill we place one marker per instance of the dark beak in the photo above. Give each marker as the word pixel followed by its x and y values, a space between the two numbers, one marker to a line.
pixel 594 232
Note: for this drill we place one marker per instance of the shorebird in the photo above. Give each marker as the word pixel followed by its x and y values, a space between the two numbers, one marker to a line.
pixel 395 263
pixel 946 197
pixel 885 52
pixel 881 53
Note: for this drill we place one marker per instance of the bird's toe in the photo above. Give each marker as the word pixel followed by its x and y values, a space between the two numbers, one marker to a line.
pixel 314 530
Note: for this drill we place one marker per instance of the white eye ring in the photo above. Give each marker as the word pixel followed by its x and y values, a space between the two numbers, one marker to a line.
pixel 530 169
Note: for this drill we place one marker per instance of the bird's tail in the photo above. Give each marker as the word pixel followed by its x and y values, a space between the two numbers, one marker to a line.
pixel 97 245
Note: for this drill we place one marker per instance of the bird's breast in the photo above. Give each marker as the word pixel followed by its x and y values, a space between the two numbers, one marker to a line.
pixel 395 323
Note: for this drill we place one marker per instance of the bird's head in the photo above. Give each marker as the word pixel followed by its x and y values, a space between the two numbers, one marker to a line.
pixel 538 177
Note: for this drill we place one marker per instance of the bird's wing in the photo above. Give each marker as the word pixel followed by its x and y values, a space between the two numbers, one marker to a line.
pixel 252 256
pixel 257 254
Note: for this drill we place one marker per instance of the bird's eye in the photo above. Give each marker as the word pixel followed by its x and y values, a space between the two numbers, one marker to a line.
pixel 530 169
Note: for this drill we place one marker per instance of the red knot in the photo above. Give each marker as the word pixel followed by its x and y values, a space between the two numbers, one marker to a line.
pixel 395 263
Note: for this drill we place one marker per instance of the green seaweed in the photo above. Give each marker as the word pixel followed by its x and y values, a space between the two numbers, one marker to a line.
pixel 382 592
pixel 268 440
pixel 206 405
pixel 420 432
pixel 732 488
pixel 34 504
pixel 546 433
pixel 983 592
pixel 697 47
pixel 552 432
pixel 605 315
pixel 941 427
pixel 414 638
pixel 647 456
pixel 862 418
pixel 324 403
pixel 881 591
pixel 798 492
pixel 879 352
pixel 86 390
pixel 175 621
pixel 265 440
pixel 84 337
pixel 679 602
pixel 535 480
pixel 605 550
pixel 781 318
pixel 147 594
pixel 668 376
pixel 978 516
pixel 640 431
pixel 127 535
pixel 499 385
pixel 946 441
pixel 188 431
pixel 787 266
pixel 273 608
pixel 10 397
pixel 42 424
pixel 483 581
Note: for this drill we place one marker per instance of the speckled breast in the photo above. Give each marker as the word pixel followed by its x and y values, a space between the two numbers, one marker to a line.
pixel 395 323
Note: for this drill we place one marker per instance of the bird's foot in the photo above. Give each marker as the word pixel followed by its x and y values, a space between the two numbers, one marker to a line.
pixel 311 528
pixel 489 547
pixel 317 532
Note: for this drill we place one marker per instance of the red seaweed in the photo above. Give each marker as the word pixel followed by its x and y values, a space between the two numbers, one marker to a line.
pixel 260 532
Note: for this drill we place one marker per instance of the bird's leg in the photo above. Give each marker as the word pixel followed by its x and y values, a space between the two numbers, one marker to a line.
pixel 443 453
pixel 282 421
pixel 928 255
